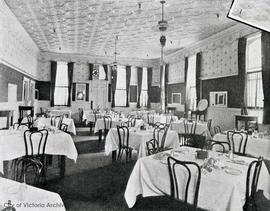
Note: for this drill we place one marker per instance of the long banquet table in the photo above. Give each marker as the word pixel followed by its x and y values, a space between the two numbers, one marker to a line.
pixel 137 140
pixel 58 143
pixel 25 197
pixel 220 190
pixel 255 146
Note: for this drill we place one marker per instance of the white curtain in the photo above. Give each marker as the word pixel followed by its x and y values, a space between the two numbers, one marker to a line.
pixel 191 83
pixel 120 93
pixel 144 94
pixel 101 71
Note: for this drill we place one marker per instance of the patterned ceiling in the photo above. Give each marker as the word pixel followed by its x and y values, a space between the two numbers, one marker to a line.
pixel 90 27
pixel 252 12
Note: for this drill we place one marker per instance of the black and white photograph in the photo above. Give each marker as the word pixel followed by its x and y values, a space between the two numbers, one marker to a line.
pixel 134 105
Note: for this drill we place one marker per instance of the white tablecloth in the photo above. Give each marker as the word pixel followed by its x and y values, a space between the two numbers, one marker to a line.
pixel 137 140
pixel 26 197
pixel 162 118
pixel 255 146
pixel 89 116
pixel 219 191
pixel 12 145
pixel 42 121
pixel 201 128
pixel 100 123
pixel 59 112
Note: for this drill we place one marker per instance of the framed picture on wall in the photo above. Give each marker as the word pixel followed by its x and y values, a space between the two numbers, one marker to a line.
pixel 80 92
pixel 219 99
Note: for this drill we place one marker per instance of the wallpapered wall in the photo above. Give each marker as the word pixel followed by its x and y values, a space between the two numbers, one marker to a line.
pixel 219 55
pixel 17 48
pixel 81 68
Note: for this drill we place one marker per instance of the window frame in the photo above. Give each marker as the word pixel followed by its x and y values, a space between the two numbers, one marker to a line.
pixel 120 89
pixel 61 86
pixel 251 71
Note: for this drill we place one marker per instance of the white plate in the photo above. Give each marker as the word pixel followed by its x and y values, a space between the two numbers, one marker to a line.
pixel 233 171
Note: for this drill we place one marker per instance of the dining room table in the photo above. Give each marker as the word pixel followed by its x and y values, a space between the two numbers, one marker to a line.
pixel 58 143
pixel 25 197
pixel 100 126
pixel 256 146
pixel 201 127
pixel 222 188
pixel 59 112
pixel 137 140
pixel 41 122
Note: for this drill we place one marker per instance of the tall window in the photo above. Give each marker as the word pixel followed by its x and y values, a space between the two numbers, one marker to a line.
pixel 61 84
pixel 191 82
pixel 120 92
pixel 144 95
pixel 254 88
pixel 101 71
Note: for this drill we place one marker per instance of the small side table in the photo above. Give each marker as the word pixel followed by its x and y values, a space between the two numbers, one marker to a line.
pixel 246 119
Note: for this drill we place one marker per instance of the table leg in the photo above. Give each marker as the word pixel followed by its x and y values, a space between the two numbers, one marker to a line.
pixel 62 166
pixel 236 123
pixel 113 156
pixel 5 168
pixel 99 135
pixel 91 127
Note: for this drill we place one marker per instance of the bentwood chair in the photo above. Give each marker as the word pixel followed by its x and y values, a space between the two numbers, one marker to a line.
pixel 209 126
pixel 169 119
pixel 187 137
pixel 107 125
pixel 253 175
pixel 152 146
pixel 174 167
pixel 35 145
pixel 218 146
pixel 123 146
pixel 55 121
pixel 160 134
pixel 150 119
pixel 217 129
pixel 238 140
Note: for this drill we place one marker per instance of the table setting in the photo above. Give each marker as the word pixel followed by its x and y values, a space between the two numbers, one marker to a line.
pixel 138 136
pixel 12 144
pixel 25 197
pixel 258 144
pixel 223 180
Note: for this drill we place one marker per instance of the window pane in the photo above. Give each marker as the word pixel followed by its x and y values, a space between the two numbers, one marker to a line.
pixel 251 89
pixel 120 97
pixel 193 103
pixel 191 74
pixel 102 74
pixel 260 91
pixel 144 79
pixel 191 82
pixel 121 77
pixel 143 98
pixel 61 74
pixel 253 53
pixel 60 95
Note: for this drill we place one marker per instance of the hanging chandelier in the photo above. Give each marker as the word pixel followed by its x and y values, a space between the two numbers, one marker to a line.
pixel 114 64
